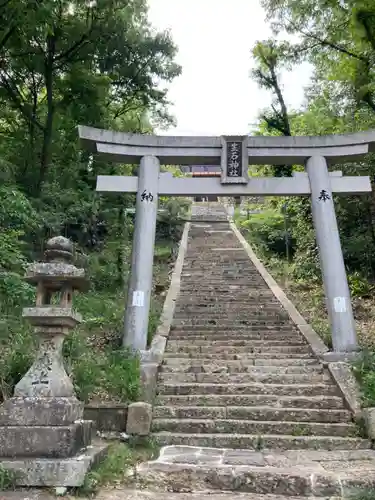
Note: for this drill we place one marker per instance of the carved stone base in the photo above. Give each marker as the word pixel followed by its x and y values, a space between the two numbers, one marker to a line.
pixel 45 442
pixel 56 471
pixel 31 411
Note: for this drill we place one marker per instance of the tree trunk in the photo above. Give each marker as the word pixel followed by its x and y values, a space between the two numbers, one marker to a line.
pixel 48 125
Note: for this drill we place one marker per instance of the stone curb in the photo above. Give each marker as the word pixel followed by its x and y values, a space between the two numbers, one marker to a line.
pixel 153 357
pixel 340 371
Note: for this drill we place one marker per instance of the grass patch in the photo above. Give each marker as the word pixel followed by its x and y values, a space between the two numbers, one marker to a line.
pixel 361 494
pixel 7 479
pixel 118 467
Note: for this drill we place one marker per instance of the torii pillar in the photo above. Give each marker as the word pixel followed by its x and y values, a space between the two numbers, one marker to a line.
pixel 234 153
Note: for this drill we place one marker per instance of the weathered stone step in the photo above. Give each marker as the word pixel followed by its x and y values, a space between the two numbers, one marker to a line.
pixel 239 329
pixel 235 324
pixel 216 278
pixel 226 426
pixel 248 400
pixel 252 308
pixel 260 413
pixel 250 359
pixel 244 377
pixel 292 390
pixel 261 442
pixel 252 305
pixel 218 289
pixel 129 494
pixel 240 298
pixel 176 365
pixel 244 350
pixel 237 343
pixel 308 479
pixel 208 336
pixel 214 268
pixel 234 316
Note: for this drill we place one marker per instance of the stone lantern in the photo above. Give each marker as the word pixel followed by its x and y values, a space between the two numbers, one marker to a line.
pixel 43 422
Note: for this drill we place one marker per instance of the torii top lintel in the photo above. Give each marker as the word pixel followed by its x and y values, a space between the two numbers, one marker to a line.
pixel 178 150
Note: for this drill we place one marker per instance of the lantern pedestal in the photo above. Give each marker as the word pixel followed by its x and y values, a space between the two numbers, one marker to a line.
pixel 43 436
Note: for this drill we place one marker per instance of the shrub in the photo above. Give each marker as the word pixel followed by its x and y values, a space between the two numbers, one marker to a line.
pixel 364 370
pixel 359 286
pixel 266 230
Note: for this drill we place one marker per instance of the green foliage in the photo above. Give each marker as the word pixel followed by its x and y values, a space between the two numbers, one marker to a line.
pixel 68 63
pixel 359 286
pixel 17 345
pixel 111 372
pixel 364 370
pixel 170 223
pixel 121 458
pixel 266 230
pixel 7 479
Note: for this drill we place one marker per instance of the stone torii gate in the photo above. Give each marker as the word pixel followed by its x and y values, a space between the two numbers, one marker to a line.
pixel 234 154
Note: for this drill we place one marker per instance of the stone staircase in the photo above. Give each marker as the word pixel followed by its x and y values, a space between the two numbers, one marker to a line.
pixel 243 404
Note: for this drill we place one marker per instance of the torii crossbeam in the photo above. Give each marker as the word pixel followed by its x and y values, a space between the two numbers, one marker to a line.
pixel 234 154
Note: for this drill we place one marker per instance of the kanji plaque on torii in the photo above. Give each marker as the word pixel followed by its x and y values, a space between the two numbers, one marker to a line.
pixel 234 160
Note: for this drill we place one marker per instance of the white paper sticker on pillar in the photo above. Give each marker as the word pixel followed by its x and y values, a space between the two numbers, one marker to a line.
pixel 138 298
pixel 339 304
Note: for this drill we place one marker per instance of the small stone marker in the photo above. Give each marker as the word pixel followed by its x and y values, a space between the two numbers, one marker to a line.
pixel 43 436
pixel 139 419
pixel 369 418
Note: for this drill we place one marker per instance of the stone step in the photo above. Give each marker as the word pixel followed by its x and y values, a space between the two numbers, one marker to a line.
pixel 261 442
pixel 202 324
pixel 219 270
pixel 130 494
pixel 249 400
pixel 172 344
pixel 260 413
pixel 239 329
pixel 252 304
pixel 233 316
pixel 176 365
pixel 207 336
pixel 224 304
pixel 212 299
pixel 244 350
pixel 291 390
pixel 245 359
pixel 219 290
pixel 226 426
pixel 244 377
pixel 252 309
pixel 282 474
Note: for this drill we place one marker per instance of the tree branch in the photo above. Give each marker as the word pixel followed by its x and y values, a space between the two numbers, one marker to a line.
pixel 328 43
pixel 17 99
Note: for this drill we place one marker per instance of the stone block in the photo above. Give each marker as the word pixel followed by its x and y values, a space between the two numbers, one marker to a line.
pixel 107 417
pixel 157 348
pixel 139 419
pixel 45 442
pixel 369 419
pixel 40 411
pixel 343 376
pixel 149 374
pixel 68 472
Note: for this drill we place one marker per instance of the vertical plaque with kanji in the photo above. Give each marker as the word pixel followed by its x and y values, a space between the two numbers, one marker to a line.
pixel 234 160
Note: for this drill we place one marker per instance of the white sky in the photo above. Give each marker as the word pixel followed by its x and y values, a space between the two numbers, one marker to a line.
pixel 214 95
